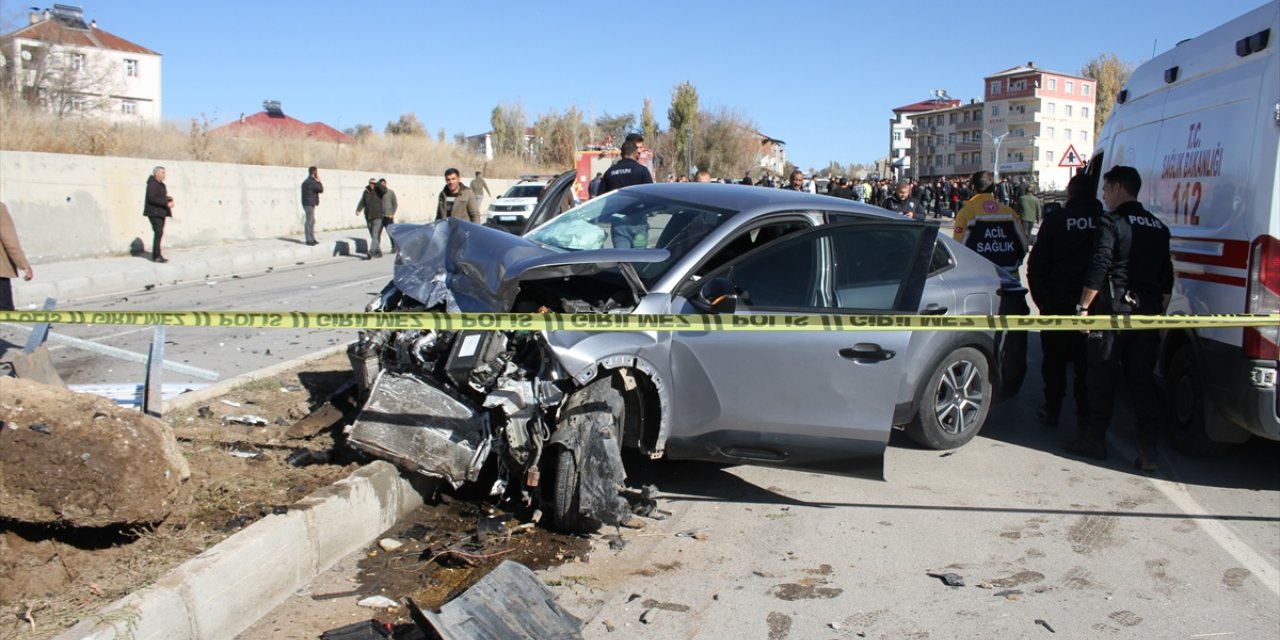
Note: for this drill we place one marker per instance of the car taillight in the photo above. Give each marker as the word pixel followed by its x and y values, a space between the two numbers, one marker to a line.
pixel 1263 297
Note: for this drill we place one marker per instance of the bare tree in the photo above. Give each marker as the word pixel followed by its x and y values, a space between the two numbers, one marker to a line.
pixel 558 135
pixel 407 125
pixel 726 144
pixel 614 128
pixel 1111 73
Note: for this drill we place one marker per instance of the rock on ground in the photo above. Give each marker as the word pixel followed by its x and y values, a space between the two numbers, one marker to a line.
pixel 77 459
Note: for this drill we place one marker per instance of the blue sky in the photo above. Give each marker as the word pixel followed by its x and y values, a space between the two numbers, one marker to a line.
pixel 821 76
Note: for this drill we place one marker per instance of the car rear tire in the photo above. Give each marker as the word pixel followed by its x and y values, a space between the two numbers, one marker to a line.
pixel 595 408
pixel 1187 406
pixel 952 405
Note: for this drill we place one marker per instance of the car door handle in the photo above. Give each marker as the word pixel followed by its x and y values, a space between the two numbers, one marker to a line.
pixel 933 309
pixel 867 351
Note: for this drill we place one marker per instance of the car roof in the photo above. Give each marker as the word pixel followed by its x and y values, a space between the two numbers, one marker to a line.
pixel 747 198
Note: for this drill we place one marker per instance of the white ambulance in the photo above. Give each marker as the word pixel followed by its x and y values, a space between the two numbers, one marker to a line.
pixel 1201 123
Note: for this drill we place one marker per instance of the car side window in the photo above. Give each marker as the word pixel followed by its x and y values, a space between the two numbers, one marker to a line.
pixel 782 276
pixel 751 240
pixel 942 259
pixel 871 266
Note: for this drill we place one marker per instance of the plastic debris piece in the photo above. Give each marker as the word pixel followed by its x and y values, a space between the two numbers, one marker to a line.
pixel 249 419
pixel 279 510
pixel 306 457
pixel 949 579
pixel 510 602
pixel 41 427
pixel 646 616
pixel 367 630
pixel 1045 625
pixel 204 412
pixel 390 544
pixel 230 403
pixel 696 534
pixel 378 602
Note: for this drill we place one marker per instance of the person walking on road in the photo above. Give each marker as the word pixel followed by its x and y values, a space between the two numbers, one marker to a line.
pixel 1130 271
pixel 456 200
pixel 311 190
pixel 481 189
pixel 157 207
pixel 371 206
pixel 1055 275
pixel 389 207
pixel 12 259
pixel 1030 208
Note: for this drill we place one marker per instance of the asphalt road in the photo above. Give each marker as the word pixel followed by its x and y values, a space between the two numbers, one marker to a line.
pixel 340 284
pixel 1095 550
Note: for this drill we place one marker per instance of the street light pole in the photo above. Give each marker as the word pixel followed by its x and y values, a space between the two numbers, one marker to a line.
pixel 997 139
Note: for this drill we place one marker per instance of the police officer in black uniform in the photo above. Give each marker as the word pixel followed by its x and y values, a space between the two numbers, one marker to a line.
pixel 629 230
pixel 1055 275
pixel 903 202
pixel 1130 271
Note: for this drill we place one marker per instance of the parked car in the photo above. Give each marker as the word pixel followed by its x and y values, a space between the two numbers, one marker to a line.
pixel 511 210
pixel 554 409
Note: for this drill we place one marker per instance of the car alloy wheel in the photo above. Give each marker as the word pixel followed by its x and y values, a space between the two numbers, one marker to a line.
pixel 959 400
pixel 953 403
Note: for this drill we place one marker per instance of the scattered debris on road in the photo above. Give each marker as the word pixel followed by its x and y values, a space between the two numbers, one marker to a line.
pixel 1045 625
pixel 949 579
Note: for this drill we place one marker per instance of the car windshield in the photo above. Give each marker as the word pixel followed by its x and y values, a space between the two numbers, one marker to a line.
pixel 628 220
pixel 523 191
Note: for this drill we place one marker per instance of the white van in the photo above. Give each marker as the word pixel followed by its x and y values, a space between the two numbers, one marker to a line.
pixel 1201 123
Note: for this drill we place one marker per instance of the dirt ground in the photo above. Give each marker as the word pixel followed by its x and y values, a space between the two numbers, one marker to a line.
pixel 52 578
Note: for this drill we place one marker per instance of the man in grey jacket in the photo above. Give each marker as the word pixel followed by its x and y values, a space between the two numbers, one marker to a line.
pixel 311 190
pixel 389 207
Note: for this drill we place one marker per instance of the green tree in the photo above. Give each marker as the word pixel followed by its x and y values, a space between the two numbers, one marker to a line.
pixel 648 126
pixel 508 124
pixel 407 125
pixel 614 127
pixel 682 118
pixel 1111 73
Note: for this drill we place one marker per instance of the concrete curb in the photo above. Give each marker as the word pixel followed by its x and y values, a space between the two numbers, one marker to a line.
pixel 224 590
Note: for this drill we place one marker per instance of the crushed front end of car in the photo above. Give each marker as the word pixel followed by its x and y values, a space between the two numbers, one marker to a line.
pixel 451 403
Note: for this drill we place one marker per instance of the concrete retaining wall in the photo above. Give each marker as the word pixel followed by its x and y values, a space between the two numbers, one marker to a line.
pixel 68 207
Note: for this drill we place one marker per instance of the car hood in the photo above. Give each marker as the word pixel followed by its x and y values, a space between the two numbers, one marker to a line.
pixel 473 268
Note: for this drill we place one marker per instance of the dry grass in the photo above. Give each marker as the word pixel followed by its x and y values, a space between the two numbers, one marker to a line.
pixel 24 129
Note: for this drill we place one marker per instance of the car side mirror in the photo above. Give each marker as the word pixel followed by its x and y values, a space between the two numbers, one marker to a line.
pixel 717 295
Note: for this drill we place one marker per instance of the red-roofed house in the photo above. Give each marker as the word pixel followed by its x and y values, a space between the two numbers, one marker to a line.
pixel 61 63
pixel 273 122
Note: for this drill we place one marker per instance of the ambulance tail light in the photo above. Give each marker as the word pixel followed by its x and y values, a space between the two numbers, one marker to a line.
pixel 1263 297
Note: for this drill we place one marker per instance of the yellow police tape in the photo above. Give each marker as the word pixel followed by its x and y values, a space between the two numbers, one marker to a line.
pixel 632 322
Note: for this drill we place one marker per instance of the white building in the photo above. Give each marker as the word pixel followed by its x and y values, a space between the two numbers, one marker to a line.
pixel 69 67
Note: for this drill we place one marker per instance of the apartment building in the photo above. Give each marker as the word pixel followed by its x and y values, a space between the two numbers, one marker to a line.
pixel 946 142
pixel 900 138
pixel 1028 120
pixel 1041 115
pixel 63 64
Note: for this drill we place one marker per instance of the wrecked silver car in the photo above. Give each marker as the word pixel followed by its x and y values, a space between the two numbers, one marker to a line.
pixel 550 412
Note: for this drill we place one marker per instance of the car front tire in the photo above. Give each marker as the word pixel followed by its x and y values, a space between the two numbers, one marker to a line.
pixel 952 405
pixel 594 409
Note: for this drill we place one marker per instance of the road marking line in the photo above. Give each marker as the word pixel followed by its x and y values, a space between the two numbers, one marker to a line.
pixel 1264 571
